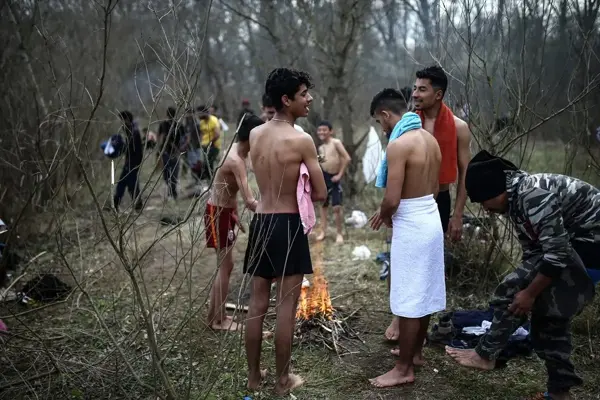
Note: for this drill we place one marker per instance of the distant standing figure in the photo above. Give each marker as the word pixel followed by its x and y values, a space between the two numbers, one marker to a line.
pixel 171 134
pixel 334 160
pixel 211 140
pixel 134 154
pixel 193 139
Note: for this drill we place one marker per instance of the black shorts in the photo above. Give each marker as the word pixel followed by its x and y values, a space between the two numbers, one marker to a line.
pixel 334 191
pixel 444 203
pixel 277 246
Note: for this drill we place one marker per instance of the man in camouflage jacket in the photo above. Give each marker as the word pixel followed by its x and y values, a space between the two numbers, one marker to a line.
pixel 557 219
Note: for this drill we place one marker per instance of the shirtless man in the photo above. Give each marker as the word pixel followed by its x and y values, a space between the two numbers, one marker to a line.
pixel 454 139
pixel 335 159
pixel 417 287
pixel 220 218
pixel 277 245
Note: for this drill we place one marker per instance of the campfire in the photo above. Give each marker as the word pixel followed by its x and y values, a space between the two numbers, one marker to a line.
pixel 314 299
pixel 317 320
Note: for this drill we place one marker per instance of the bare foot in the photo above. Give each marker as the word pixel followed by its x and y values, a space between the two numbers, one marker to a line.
pixel 469 358
pixel 228 324
pixel 394 377
pixel 339 239
pixel 292 382
pixel 393 331
pixel 418 359
pixel 254 382
pixel 321 236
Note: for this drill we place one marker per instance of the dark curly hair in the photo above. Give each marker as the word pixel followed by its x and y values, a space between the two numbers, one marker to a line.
pixel 285 81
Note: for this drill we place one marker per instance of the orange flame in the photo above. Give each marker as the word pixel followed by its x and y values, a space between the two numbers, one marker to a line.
pixel 314 300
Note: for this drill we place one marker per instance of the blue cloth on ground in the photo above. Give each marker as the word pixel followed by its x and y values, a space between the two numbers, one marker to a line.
pixel 594 274
pixel 408 122
pixel 449 331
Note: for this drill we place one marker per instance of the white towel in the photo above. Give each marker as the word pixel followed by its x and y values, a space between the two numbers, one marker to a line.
pixel 418 286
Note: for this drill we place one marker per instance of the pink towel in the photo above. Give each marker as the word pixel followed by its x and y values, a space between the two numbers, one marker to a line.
pixel 305 205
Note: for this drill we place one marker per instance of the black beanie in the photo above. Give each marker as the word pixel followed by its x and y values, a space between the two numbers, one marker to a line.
pixel 486 176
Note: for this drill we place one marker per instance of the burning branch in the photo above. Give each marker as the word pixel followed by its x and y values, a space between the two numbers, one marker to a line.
pixel 317 319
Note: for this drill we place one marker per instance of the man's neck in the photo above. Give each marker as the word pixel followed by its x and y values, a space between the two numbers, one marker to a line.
pixel 327 140
pixel 432 113
pixel 283 116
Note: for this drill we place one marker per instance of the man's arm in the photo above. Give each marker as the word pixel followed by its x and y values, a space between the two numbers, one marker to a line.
pixel 463 135
pixel 544 214
pixel 396 160
pixel 528 248
pixel 344 157
pixel 241 177
pixel 309 158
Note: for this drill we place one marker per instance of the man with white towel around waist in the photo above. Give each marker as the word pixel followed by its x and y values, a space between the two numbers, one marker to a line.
pixel 409 173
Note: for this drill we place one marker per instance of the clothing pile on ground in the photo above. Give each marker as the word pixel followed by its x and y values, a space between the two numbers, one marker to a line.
pixel 463 329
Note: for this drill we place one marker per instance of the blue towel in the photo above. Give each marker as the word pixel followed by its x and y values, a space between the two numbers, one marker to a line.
pixel 409 122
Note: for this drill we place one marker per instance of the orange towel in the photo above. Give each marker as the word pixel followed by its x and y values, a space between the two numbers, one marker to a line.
pixel 444 131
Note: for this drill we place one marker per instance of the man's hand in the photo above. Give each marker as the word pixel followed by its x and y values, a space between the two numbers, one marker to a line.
pixel 455 227
pixel 376 221
pixel 336 178
pixel 522 303
pixel 236 221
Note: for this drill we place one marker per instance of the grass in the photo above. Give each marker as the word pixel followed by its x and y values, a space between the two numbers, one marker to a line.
pixel 217 361
pixel 75 355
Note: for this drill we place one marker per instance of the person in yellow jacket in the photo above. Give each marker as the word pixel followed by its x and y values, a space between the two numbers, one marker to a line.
pixel 210 130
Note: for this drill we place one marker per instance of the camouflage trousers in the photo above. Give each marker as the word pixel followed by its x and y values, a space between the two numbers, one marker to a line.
pixel 551 318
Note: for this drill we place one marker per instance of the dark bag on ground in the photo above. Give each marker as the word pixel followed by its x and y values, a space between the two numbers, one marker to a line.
pixel 45 288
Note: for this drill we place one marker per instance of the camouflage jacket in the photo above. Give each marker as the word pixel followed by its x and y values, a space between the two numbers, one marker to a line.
pixel 550 211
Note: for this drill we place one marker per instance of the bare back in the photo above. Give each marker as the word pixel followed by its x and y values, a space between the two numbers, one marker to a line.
pixel 225 188
pixel 422 166
pixel 275 152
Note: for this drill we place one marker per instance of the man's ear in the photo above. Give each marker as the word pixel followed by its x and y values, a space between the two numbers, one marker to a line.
pixel 286 100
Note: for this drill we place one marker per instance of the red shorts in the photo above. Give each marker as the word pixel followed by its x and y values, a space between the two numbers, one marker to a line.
pixel 219 223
